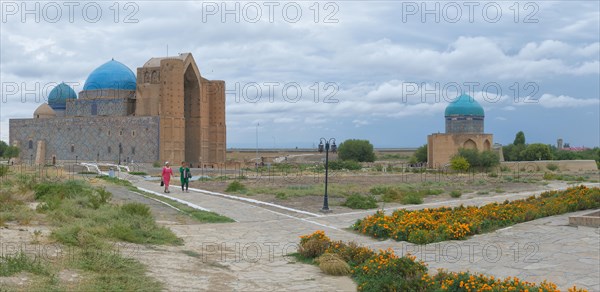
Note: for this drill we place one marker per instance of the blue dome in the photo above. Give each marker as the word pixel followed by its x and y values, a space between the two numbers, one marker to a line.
pixel 57 99
pixel 111 75
pixel 464 105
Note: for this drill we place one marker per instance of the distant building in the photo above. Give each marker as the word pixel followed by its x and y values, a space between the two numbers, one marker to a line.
pixel 464 129
pixel 169 112
pixel 559 143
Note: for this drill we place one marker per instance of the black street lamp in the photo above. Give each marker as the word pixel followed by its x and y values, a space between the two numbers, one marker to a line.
pixel 75 159
pixel 31 159
pixel 324 145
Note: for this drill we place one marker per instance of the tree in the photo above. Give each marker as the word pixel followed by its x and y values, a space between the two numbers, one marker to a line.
pixel 513 152
pixel 537 151
pixel 11 151
pixel 3 146
pixel 421 154
pixel 519 138
pixel 358 150
pixel 475 158
pixel 471 155
pixel 459 163
pixel 489 158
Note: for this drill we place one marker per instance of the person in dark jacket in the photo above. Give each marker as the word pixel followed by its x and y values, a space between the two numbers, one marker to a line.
pixel 184 176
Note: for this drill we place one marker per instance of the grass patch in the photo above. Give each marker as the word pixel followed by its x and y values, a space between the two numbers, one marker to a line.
pixel 358 201
pixel 87 172
pixel 281 196
pixel 112 272
pixel 236 187
pixel 83 218
pixel 404 193
pixel 302 259
pixel 199 215
pixel 116 180
pixel 10 265
pixel 138 173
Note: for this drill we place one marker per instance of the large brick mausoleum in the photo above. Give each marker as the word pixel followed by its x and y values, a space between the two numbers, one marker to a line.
pixel 169 112
pixel 464 129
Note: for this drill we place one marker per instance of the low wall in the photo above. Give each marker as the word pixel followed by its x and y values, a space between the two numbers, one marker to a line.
pixel 563 165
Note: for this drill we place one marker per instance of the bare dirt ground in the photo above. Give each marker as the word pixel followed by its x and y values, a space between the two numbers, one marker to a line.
pixel 341 184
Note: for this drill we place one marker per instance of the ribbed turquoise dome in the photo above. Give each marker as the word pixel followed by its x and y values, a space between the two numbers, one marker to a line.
pixel 111 75
pixel 464 105
pixel 57 99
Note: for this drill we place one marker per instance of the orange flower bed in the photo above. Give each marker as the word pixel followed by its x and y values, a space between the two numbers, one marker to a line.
pixel 385 271
pixel 439 224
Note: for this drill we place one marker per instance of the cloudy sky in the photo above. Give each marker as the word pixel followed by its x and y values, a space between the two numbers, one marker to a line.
pixel 377 70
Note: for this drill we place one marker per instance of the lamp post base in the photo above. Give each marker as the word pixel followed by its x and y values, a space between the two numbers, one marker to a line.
pixel 325 210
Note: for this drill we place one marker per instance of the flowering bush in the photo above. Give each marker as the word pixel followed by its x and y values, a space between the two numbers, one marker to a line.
pixel 314 245
pixel 465 281
pixel 439 224
pixel 385 271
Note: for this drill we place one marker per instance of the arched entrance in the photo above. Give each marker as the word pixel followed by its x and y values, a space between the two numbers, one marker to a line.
pixel 487 145
pixel 470 144
pixel 191 111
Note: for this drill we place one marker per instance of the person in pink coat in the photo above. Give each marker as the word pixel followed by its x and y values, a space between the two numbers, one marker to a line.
pixel 167 173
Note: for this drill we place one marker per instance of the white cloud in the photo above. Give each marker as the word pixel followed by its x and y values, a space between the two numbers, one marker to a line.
pixel 358 123
pixel 562 101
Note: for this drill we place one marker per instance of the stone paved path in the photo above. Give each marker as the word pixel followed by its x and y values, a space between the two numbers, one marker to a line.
pixel 251 253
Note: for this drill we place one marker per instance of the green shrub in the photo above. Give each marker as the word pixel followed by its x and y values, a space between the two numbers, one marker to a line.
pixel 358 150
pixel 459 163
pixel 455 194
pixel 413 198
pixel 384 272
pixel 549 176
pixel 235 186
pixel 358 201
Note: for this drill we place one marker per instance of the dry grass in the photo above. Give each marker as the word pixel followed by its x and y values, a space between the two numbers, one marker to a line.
pixel 333 264
pixel 314 247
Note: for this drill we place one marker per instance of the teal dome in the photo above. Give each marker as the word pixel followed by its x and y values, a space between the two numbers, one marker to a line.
pixel 57 99
pixel 464 105
pixel 111 75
